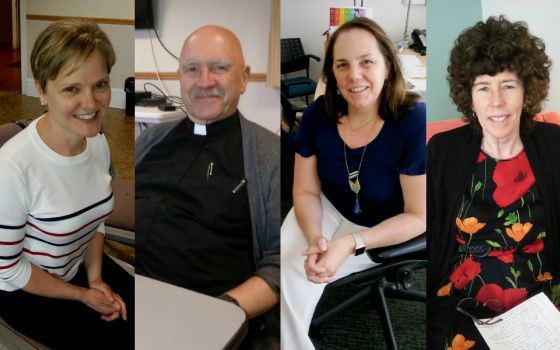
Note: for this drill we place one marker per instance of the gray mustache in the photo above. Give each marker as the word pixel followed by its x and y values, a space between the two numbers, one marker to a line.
pixel 206 93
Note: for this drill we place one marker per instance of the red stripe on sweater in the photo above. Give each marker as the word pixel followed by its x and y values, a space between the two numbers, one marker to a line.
pixel 12 243
pixel 67 233
pixel 54 256
pixel 7 267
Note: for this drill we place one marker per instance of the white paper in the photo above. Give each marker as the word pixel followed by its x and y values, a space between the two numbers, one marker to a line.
pixel 533 324
pixel 409 60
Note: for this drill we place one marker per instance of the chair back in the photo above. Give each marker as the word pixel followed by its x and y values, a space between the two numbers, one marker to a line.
pixel 292 56
pixel 9 130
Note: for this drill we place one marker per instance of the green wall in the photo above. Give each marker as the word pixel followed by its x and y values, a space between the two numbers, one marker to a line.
pixel 446 19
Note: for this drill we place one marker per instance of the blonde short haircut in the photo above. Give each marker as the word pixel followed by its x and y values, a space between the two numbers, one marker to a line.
pixel 68 42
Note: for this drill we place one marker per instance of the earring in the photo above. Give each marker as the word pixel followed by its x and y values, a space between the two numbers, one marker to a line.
pixel 337 92
pixel 474 115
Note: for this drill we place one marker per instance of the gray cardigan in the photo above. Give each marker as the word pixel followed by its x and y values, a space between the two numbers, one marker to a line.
pixel 261 156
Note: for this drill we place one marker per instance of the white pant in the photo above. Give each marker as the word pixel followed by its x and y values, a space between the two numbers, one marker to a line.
pixel 299 297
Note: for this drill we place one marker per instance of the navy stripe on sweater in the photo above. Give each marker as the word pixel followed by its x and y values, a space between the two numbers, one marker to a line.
pixel 81 211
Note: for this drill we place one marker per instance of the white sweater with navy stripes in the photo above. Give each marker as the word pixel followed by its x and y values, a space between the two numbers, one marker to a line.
pixel 50 206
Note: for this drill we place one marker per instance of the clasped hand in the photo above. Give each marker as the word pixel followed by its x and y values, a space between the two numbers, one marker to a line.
pixel 325 257
pixel 102 299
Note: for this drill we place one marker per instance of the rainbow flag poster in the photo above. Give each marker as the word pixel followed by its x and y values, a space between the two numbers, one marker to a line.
pixel 341 15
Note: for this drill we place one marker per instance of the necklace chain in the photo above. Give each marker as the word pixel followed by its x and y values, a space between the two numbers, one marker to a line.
pixel 354 177
pixel 354 185
pixel 359 127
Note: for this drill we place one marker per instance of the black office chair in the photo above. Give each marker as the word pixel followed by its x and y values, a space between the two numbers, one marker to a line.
pixel 290 111
pixel 390 279
pixel 294 59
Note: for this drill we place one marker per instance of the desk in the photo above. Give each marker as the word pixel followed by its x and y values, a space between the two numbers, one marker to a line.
pixel 152 115
pixel 414 71
pixel 170 317
pixel 146 116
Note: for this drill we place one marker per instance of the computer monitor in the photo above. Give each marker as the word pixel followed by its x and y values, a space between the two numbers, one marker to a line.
pixel 144 15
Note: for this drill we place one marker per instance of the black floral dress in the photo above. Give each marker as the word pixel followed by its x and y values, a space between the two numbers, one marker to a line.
pixel 501 232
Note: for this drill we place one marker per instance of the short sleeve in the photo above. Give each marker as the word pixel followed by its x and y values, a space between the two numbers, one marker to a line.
pixel 413 159
pixel 302 141
pixel 15 270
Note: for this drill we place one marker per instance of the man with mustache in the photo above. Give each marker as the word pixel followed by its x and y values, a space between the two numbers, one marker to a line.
pixel 207 189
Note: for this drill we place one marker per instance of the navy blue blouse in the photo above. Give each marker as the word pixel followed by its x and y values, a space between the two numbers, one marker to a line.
pixel 399 148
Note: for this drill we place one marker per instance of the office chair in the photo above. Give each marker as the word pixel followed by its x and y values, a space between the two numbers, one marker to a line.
pixel 10 129
pixel 390 279
pixel 290 112
pixel 294 59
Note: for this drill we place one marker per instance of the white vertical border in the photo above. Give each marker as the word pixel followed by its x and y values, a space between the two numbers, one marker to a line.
pixel 23 46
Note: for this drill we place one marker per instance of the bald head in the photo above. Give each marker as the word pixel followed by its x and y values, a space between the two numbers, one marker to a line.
pixel 212 74
pixel 213 35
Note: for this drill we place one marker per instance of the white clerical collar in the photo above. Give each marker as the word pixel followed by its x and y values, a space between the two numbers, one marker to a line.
pixel 200 129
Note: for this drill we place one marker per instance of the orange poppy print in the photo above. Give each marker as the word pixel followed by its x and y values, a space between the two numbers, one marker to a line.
pixel 518 230
pixel 469 225
pixel 543 277
pixel 445 290
pixel 460 343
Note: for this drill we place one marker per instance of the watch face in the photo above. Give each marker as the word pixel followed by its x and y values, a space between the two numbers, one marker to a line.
pixel 360 247
pixel 360 251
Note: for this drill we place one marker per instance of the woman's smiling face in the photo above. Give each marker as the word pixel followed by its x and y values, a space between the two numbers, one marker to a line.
pixel 360 69
pixel 78 98
pixel 498 102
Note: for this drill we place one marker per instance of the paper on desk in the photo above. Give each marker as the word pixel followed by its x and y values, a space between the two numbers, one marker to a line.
pixel 412 67
pixel 416 72
pixel 409 60
pixel 533 324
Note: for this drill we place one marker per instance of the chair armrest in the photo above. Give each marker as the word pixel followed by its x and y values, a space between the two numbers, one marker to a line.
pixel 316 58
pixel 412 249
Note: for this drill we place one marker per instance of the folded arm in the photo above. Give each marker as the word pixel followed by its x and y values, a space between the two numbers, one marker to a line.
pixel 254 296
pixel 394 230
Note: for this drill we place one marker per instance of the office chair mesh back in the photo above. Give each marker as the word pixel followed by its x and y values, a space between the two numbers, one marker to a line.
pixel 294 59
pixel 292 55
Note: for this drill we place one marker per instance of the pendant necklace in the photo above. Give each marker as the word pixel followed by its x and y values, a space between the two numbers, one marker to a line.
pixel 353 179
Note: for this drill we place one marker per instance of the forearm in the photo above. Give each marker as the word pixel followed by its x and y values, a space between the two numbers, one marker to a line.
pixel 44 284
pixel 309 215
pixel 402 227
pixel 94 257
pixel 254 296
pixel 394 230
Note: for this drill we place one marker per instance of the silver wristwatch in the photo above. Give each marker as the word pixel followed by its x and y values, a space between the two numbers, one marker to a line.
pixel 360 246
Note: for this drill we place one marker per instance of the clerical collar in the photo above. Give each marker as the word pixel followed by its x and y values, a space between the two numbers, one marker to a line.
pixel 214 128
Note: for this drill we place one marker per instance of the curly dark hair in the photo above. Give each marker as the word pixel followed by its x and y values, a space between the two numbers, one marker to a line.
pixel 492 47
pixel 394 99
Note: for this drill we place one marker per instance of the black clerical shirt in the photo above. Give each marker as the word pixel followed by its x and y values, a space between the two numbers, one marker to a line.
pixel 193 226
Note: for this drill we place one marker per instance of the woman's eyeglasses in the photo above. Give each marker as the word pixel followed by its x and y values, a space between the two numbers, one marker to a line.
pixel 481 310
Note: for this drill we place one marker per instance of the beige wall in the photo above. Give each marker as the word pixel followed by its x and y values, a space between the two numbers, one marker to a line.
pixel 83 8
pixel 122 36
pixel 248 19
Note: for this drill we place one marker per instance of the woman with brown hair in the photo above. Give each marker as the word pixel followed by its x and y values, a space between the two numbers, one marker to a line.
pixel 359 178
pixel 493 209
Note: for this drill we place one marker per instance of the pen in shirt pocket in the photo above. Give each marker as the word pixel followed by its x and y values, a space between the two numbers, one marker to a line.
pixel 209 170
pixel 241 183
